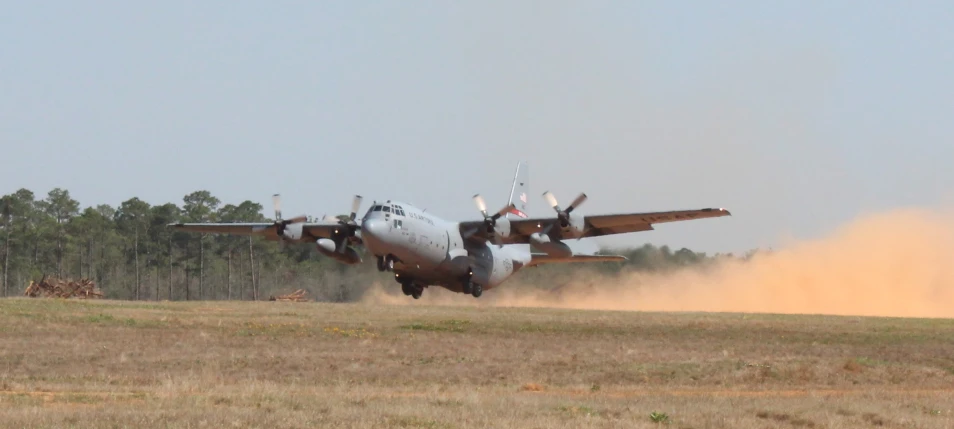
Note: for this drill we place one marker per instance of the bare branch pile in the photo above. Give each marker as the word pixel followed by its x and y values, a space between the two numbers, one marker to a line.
pixel 296 296
pixel 58 288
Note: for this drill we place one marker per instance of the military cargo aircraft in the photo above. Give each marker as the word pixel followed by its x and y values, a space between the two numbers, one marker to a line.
pixel 424 250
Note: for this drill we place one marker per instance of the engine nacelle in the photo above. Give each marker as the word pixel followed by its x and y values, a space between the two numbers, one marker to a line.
pixel 576 227
pixel 502 227
pixel 292 232
pixel 553 248
pixel 344 255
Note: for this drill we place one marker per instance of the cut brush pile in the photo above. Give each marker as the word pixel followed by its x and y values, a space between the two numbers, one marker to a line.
pixel 296 296
pixel 58 288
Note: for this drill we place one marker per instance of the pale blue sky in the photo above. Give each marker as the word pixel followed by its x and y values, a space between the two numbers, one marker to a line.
pixel 797 115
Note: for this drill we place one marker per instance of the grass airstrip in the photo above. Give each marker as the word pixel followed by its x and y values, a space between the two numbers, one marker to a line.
pixel 85 364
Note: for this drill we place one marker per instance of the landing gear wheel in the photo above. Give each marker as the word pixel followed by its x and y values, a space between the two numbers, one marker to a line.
pixel 389 263
pixel 476 290
pixel 381 265
pixel 468 286
pixel 416 292
pixel 407 289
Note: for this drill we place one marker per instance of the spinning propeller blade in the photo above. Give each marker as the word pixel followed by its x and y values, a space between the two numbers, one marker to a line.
pixel 355 206
pixel 564 214
pixel 481 205
pixel 491 220
pixel 277 205
pixel 576 203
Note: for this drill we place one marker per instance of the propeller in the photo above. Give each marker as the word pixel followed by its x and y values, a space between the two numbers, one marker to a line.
pixel 350 227
pixel 277 204
pixel 281 224
pixel 355 205
pixel 564 214
pixel 490 220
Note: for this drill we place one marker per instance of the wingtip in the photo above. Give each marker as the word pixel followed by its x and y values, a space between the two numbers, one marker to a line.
pixel 726 211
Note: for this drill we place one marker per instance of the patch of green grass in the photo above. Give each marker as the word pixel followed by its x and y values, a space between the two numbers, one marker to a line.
pixel 78 398
pixel 443 326
pixel 100 318
pixel 109 319
pixel 274 330
pixel 581 410
pixel 350 333
pixel 658 417
pixel 448 402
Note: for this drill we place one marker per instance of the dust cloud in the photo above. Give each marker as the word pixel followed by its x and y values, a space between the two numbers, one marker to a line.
pixel 898 263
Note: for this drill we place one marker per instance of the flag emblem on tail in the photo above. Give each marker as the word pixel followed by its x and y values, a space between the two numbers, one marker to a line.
pixel 518 212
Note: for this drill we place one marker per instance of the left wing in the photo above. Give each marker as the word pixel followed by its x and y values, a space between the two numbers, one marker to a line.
pixel 593 225
pixel 269 230
pixel 543 258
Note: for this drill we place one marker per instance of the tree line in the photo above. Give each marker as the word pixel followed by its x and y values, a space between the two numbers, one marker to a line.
pixel 131 254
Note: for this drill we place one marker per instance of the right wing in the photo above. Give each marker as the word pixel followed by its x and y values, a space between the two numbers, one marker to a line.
pixel 309 231
pixel 608 224
pixel 594 225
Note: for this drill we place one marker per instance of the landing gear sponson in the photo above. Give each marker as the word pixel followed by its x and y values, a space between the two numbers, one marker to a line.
pixel 409 287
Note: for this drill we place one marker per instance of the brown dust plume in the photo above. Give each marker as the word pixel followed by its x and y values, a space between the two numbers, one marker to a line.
pixel 899 263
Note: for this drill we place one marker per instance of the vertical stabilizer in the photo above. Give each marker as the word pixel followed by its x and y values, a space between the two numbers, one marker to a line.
pixel 518 194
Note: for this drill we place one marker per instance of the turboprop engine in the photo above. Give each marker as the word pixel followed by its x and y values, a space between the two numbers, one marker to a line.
pixel 496 225
pixel 339 252
pixel 346 232
pixel 286 230
pixel 290 231
pixel 572 225
pixel 552 248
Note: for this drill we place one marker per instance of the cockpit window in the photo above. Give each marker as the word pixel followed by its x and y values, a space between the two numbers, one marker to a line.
pixel 386 209
pixel 376 208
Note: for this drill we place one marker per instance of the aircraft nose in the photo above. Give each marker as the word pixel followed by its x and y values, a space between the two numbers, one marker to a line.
pixel 374 228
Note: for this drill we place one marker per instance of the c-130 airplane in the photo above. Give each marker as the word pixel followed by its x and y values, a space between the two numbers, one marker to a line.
pixel 469 257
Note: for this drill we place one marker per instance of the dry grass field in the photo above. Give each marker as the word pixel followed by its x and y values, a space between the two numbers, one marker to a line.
pixel 216 364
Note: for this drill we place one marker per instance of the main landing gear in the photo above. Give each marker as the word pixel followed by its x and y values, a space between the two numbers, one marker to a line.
pixel 386 263
pixel 410 288
pixel 470 287
pixel 473 288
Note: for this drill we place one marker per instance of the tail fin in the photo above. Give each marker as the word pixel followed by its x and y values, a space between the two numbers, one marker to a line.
pixel 518 194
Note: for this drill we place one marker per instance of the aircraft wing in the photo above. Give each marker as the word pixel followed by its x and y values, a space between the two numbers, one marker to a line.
pixel 543 258
pixel 310 231
pixel 598 225
pixel 594 225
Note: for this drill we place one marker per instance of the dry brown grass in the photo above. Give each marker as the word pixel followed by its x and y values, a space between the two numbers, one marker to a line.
pixel 272 364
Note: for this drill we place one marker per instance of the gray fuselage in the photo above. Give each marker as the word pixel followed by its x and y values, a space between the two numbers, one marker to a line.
pixel 431 251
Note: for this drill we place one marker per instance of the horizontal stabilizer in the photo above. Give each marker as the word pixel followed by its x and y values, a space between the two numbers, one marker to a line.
pixel 543 258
